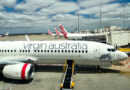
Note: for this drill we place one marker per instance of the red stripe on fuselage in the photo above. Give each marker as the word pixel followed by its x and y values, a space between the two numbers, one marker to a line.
pixel 23 71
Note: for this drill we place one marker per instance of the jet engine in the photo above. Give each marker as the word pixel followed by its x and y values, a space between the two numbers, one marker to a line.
pixel 22 71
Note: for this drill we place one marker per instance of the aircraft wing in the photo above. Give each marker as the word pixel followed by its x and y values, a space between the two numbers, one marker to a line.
pixel 16 59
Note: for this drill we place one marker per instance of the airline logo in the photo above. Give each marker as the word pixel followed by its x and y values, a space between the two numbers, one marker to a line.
pixel 37 46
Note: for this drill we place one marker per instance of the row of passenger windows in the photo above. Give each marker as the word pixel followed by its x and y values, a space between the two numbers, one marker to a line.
pixel 47 51
pixel 7 50
pixel 62 51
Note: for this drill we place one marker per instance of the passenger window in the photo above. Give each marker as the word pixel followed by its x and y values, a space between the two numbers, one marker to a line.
pixel 47 50
pixel 82 51
pixel 44 50
pixel 68 51
pixel 58 50
pixel 34 50
pixel 86 51
pixel 62 51
pixel 72 51
pixel 75 51
pixel 38 50
pixel 28 50
pixel 55 50
pixel 65 50
pixel 79 51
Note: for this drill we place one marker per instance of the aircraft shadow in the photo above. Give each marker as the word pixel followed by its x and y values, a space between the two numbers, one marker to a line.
pixel 41 68
pixel 7 80
pixel 79 69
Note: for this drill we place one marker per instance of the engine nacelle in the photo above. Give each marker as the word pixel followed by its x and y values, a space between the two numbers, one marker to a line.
pixel 20 71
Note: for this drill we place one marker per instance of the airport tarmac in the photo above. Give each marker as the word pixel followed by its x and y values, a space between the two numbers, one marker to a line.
pixel 49 77
pixel 84 80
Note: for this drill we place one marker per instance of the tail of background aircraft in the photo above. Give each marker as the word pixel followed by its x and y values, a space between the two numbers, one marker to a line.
pixel 7 33
pixel 49 32
pixel 62 28
pixel 64 31
pixel 57 32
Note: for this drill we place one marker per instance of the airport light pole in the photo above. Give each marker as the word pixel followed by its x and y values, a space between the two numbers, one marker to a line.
pixel 100 14
pixel 123 16
pixel 78 22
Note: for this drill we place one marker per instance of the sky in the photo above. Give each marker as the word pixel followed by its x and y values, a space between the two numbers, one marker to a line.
pixel 37 16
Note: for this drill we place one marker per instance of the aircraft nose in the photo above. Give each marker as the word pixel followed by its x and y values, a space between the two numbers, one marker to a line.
pixel 123 56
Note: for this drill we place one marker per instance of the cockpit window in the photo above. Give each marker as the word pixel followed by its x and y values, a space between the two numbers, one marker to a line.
pixel 111 50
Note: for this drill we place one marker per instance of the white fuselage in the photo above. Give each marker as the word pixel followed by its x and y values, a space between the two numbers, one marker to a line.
pixel 77 36
pixel 56 52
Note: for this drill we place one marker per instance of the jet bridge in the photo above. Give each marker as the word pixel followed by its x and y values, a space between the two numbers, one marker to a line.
pixel 67 82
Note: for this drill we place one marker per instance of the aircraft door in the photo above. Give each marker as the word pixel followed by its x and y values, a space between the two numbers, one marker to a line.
pixel 96 52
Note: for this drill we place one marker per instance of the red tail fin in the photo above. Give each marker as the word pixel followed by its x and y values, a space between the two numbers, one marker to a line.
pixel 49 32
pixel 63 31
pixel 57 32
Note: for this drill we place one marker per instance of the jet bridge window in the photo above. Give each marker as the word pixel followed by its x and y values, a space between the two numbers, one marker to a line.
pixel 38 50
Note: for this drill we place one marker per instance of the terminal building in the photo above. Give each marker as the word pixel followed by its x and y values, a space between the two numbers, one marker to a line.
pixel 112 35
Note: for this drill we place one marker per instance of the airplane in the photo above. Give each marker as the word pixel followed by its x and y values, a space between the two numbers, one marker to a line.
pixel 58 33
pixel 50 33
pixel 3 35
pixel 74 36
pixel 17 58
